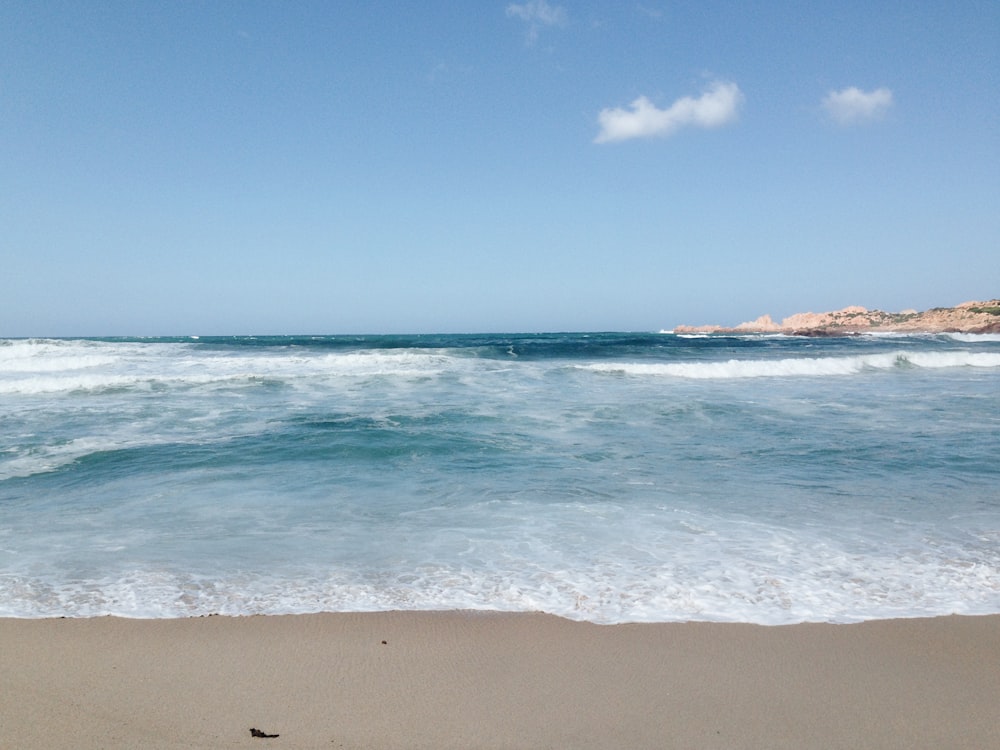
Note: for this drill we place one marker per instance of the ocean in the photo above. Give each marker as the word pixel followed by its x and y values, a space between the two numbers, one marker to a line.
pixel 608 477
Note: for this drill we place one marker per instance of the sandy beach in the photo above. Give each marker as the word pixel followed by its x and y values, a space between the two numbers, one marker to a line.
pixel 469 680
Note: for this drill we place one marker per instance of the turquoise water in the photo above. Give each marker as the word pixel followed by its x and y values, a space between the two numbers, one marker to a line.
pixel 605 477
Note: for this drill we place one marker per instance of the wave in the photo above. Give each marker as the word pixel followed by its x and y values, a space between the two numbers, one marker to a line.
pixel 99 383
pixel 826 585
pixel 43 366
pixel 42 372
pixel 45 355
pixel 975 338
pixel 800 366
pixel 43 459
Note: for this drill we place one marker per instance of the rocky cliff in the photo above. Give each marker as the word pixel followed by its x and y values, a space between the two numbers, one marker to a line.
pixel 969 317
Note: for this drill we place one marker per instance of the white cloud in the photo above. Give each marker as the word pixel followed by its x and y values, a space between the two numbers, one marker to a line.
pixel 537 13
pixel 852 105
pixel 650 12
pixel 717 106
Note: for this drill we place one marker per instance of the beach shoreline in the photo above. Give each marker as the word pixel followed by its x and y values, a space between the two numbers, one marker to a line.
pixel 460 679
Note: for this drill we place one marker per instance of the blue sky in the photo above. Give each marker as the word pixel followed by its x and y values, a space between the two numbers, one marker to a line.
pixel 367 167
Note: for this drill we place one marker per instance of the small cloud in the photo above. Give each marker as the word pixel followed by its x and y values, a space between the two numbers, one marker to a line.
pixel 436 72
pixel 852 106
pixel 537 13
pixel 717 106
pixel 655 13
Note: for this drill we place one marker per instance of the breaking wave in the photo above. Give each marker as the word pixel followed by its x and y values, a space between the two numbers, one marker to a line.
pixel 800 366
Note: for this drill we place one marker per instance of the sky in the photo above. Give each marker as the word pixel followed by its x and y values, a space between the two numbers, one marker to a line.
pixel 180 168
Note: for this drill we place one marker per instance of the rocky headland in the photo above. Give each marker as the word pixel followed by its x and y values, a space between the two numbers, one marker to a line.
pixel 968 317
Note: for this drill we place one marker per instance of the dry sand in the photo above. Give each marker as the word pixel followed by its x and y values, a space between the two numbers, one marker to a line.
pixel 464 680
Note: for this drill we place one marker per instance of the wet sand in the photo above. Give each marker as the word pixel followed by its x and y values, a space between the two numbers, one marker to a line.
pixel 468 680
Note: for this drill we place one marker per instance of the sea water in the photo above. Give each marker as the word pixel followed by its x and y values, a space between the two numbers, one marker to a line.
pixel 604 477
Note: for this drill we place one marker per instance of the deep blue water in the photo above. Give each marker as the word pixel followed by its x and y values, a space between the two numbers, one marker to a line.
pixel 609 477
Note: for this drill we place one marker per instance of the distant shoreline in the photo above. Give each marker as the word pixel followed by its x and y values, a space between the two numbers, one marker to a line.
pixel 968 317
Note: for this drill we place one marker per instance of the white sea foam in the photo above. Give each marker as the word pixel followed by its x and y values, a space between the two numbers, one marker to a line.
pixel 52 367
pixel 975 338
pixel 32 356
pixel 591 562
pixel 798 367
pixel 824 584
pixel 953 359
pixel 55 368
pixel 25 463
pixel 297 478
